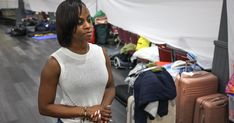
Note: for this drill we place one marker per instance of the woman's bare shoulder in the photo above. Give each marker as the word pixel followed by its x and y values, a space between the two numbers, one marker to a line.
pixel 52 66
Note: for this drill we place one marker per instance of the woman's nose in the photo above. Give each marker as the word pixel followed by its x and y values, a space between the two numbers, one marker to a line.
pixel 87 24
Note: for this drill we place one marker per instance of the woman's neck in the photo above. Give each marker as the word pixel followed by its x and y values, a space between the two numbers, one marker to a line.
pixel 79 47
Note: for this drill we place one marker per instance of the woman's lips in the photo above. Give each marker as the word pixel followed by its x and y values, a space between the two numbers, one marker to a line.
pixel 88 36
pixel 89 33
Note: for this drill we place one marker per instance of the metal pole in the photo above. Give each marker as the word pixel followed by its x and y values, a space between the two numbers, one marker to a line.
pixel 20 12
pixel 96 6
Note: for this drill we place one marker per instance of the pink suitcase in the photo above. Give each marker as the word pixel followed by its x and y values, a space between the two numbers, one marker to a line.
pixel 211 109
pixel 189 87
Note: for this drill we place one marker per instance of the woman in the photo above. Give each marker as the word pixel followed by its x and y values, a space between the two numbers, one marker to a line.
pixel 82 70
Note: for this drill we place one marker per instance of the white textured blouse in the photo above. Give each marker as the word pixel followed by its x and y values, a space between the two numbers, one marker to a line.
pixel 83 78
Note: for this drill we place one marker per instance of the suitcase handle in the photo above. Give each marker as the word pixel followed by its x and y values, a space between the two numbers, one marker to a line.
pixel 220 101
pixel 216 99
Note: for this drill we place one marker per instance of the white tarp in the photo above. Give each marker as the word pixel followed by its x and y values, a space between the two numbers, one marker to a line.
pixel 191 25
pixel 51 5
pixel 230 10
pixel 42 5
pixel 92 5
pixel 6 4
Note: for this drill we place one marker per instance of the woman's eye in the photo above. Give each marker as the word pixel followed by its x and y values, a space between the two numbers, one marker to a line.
pixel 80 21
pixel 89 19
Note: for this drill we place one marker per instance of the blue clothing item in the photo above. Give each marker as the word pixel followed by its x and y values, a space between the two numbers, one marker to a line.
pixel 150 87
pixel 59 121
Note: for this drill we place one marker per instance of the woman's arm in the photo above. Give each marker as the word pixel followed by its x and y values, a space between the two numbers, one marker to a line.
pixel 47 93
pixel 110 87
pixel 109 93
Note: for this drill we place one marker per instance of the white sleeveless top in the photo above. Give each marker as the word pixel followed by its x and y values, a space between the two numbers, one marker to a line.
pixel 83 78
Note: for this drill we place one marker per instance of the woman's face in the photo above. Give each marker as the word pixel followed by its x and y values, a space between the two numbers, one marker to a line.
pixel 84 28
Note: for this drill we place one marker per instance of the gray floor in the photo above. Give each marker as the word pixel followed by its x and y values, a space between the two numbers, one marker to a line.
pixel 21 60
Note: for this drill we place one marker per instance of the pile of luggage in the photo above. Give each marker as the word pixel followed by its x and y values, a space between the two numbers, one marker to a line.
pixel 33 25
pixel 197 97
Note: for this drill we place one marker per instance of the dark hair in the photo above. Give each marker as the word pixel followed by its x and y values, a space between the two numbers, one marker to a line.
pixel 67 15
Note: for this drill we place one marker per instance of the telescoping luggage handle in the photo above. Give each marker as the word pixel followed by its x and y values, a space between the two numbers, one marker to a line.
pixel 192 74
pixel 189 63
pixel 189 66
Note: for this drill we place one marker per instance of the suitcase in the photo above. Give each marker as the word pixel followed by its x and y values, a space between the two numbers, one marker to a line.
pixel 211 109
pixel 188 88
pixel 169 118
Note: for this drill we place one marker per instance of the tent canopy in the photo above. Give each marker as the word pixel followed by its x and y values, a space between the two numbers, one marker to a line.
pixel 5 4
pixel 191 25
pixel 51 5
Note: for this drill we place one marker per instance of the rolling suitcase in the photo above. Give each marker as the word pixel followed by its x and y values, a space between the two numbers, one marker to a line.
pixel 189 86
pixel 211 109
